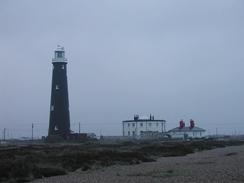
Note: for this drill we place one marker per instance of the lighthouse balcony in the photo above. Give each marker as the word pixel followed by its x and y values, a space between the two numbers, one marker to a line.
pixel 59 60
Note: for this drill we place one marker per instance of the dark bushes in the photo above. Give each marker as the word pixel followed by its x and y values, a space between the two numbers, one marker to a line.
pixel 40 172
pixel 167 150
pixel 20 164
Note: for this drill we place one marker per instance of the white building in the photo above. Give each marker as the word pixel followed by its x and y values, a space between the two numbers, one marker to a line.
pixel 187 132
pixel 137 127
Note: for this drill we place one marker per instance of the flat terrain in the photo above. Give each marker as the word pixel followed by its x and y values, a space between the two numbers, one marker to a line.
pixel 216 165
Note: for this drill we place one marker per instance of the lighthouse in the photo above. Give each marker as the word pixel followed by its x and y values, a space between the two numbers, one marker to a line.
pixel 59 121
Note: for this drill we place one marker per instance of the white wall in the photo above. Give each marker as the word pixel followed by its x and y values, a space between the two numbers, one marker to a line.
pixel 138 126
pixel 190 134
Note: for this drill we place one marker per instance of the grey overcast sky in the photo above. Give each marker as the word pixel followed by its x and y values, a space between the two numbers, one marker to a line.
pixel 176 59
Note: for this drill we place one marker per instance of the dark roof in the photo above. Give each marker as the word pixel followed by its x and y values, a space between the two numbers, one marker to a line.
pixel 142 120
pixel 187 129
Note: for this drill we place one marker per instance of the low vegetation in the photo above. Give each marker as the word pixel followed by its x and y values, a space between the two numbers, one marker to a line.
pixel 28 162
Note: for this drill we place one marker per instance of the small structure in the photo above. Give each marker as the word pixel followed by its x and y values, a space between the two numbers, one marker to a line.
pixel 138 128
pixel 187 132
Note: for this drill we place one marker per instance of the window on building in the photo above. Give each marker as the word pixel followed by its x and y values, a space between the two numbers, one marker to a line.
pixel 156 124
pixel 141 124
pixel 128 124
pixel 133 132
pixel 128 133
pixel 133 124
pixel 57 87
pixel 141 132
pixel 150 124
pixel 62 67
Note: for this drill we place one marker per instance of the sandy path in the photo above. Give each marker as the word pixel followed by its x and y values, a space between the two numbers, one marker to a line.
pixel 218 165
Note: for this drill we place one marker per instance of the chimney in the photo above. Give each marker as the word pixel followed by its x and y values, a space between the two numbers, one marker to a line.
pixel 192 124
pixel 136 117
pixel 151 117
pixel 182 124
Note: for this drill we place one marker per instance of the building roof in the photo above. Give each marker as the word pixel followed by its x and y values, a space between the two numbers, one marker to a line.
pixel 143 120
pixel 187 129
pixel 138 119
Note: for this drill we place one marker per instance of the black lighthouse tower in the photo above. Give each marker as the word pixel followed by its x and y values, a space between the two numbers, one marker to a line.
pixel 59 122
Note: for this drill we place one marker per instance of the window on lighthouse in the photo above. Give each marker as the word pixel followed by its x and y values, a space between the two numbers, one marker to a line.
pixel 55 128
pixel 59 54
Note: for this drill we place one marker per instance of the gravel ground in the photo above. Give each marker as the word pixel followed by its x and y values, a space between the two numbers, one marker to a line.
pixel 218 165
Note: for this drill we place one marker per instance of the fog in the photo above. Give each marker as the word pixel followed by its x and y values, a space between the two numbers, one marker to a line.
pixel 174 59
